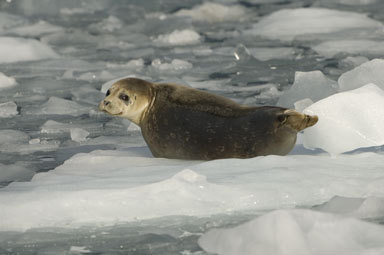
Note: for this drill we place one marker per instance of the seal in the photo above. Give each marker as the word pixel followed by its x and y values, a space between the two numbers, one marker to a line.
pixel 185 123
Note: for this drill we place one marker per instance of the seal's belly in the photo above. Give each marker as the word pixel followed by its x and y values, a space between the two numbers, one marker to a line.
pixel 198 135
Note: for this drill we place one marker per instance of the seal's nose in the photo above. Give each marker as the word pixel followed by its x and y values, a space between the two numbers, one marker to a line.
pixel 106 102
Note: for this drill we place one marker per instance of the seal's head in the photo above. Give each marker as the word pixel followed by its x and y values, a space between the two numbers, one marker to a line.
pixel 128 98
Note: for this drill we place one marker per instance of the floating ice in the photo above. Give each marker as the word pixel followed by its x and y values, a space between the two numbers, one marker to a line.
pixel 264 53
pixel 296 232
pixel 109 24
pixel 8 136
pixel 60 106
pixel 14 49
pixel 35 30
pixel 369 72
pixel 352 62
pixel 8 109
pixel 350 2
pixel 313 85
pixel 178 37
pixel 6 82
pixel 287 24
pixel 177 65
pixel 109 187
pixel 8 21
pixel 366 208
pixel 79 135
pixel 214 12
pixel 347 120
pixel 10 173
pixel 362 47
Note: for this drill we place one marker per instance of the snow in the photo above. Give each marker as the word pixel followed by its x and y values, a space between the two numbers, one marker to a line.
pixel 138 187
pixel 313 85
pixel 13 49
pixel 214 12
pixel 178 37
pixel 6 82
pixel 369 72
pixel 356 47
pixel 297 231
pixel 287 24
pixel 8 109
pixel 347 121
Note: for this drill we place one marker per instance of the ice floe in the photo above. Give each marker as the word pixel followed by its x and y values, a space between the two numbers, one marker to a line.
pixel 214 12
pixel 35 30
pixel 347 121
pixel 178 37
pixel 296 232
pixel 288 24
pixel 355 47
pixel 369 72
pixel 136 187
pixel 60 106
pixel 8 109
pixel 13 49
pixel 6 82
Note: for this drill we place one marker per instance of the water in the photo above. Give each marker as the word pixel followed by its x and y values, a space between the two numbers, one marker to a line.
pixel 96 41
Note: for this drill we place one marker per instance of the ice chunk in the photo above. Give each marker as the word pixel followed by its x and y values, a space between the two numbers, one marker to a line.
pixel 14 49
pixel 264 53
pixel 6 82
pixel 296 232
pixel 109 24
pixel 369 72
pixel 347 120
pixel 35 30
pixel 79 135
pixel 8 109
pixel 362 47
pixel 350 2
pixel 313 85
pixel 352 62
pixel 8 21
pixel 302 104
pixel 9 173
pixel 178 37
pixel 214 12
pixel 287 24
pixel 60 106
pixel 177 65
pixel 53 127
pixel 366 208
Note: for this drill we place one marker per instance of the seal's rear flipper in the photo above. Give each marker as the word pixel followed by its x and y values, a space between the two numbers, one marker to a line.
pixel 296 120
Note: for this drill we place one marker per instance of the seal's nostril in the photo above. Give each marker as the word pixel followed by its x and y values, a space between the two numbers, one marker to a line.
pixel 106 102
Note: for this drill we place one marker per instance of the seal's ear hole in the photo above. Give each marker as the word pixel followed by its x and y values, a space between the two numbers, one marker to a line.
pixel 282 118
pixel 135 97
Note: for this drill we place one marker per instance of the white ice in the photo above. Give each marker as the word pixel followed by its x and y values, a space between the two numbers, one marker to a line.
pixel 79 134
pixel 14 172
pixel 369 72
pixel 356 47
pixel 178 37
pixel 214 12
pixel 6 82
pixel 264 53
pixel 313 85
pixel 177 65
pixel 15 49
pixel 347 121
pixel 299 232
pixel 287 24
pixel 81 191
pixel 8 109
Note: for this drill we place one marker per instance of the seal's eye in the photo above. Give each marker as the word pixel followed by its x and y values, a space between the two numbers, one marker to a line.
pixel 124 97
pixel 108 93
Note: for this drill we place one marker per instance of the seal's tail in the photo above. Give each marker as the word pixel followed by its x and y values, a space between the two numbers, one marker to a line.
pixel 296 120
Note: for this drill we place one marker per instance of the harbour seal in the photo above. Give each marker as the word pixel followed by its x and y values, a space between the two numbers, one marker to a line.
pixel 185 123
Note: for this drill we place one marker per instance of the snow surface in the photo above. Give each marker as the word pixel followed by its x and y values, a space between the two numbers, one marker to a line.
pixel 347 121
pixel 297 232
pixel 27 50
pixel 288 24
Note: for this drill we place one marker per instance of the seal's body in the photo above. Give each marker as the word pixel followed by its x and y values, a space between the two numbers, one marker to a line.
pixel 185 123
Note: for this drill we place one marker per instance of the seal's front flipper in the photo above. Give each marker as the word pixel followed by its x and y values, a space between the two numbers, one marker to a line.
pixel 296 120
